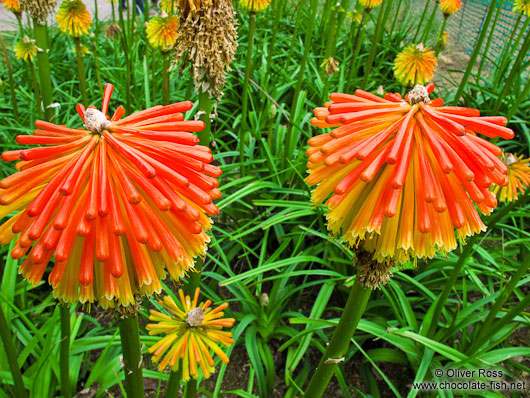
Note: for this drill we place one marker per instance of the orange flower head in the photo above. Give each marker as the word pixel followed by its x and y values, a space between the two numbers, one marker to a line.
pixel 415 65
pixel 191 331
pixel 399 176
pixel 12 5
pixel 25 49
pixel 449 7
pixel 73 18
pixel 162 31
pixel 254 5
pixel 118 204
pixel 370 4
pixel 522 6
pixel 518 178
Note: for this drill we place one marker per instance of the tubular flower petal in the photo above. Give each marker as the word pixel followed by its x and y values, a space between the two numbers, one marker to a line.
pixel 402 175
pixel 118 205
pixel 415 65
pixel 254 5
pixel 13 6
pixel 162 31
pixel 449 7
pixel 370 4
pixel 522 6
pixel 25 49
pixel 190 332
pixel 73 18
pixel 518 178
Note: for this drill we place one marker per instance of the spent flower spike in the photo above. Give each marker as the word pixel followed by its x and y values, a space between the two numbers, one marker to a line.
pixel 191 331
pixel 403 174
pixel 73 18
pixel 118 204
pixel 416 64
pixel 518 178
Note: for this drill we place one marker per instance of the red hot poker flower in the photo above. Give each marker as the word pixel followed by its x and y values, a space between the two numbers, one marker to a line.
pixel 118 205
pixel 403 174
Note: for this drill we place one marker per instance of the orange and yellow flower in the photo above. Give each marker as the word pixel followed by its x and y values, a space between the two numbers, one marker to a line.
pixel 118 205
pixel 415 65
pixel 191 331
pixel 254 5
pixel 522 6
pixel 518 178
pixel 449 7
pixel 162 31
pixel 403 174
pixel 73 18
pixel 370 4
pixel 25 49
pixel 13 6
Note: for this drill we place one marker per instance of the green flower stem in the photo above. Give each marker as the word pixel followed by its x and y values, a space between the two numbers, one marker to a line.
pixel 246 82
pixel 488 42
pixel 420 23
pixel 379 27
pixel 65 351
pixel 11 354
pixel 325 26
pixel 165 79
pixel 475 53
pixel 96 21
pixel 277 18
pixel 132 356
pixel 191 389
pixel 113 13
pixel 441 35
pixel 35 87
pixel 205 107
pixel 303 63
pixel 81 70
pixel 356 46
pixel 295 36
pixel 396 16
pixel 523 96
pixel 173 383
pixel 96 64
pixel 125 45
pixel 11 80
pixel 428 26
pixel 43 63
pixel 339 343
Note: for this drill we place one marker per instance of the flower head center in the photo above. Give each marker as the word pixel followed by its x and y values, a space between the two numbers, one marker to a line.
pixel 96 121
pixel 194 317
pixel 418 94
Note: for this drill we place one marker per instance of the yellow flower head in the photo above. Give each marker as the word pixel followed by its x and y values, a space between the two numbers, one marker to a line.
pixel 415 65
pixel 162 31
pixel 355 16
pixel 25 49
pixel 444 38
pixel 522 6
pixel 190 332
pixel 370 4
pixel 73 18
pixel 254 5
pixel 449 7
pixel 518 178
pixel 12 5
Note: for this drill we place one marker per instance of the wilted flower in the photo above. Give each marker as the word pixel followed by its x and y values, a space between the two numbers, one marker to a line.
pixel 449 7
pixel 162 31
pixel 370 4
pixel 25 49
pixel 191 331
pixel 522 6
pixel 254 5
pixel 208 38
pixel 518 178
pixel 13 6
pixel 73 18
pixel 119 204
pixel 112 31
pixel 403 175
pixel 193 6
pixel 415 65
pixel 39 9
pixel 330 66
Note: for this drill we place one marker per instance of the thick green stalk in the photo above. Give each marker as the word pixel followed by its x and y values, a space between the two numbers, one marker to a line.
pixel 81 70
pixel 246 82
pixel 11 80
pixel 475 53
pixel 441 35
pixel 339 343
pixel 191 389
pixel 65 351
pixel 132 356
pixel 420 23
pixel 96 20
pixel 165 79
pixel 11 354
pixel 303 63
pixel 428 27
pixel 43 64
pixel 173 383
pixel 113 13
pixel 488 42
pixel 377 34
pixel 205 107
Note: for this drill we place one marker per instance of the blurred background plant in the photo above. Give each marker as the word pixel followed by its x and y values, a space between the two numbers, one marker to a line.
pixel 270 256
